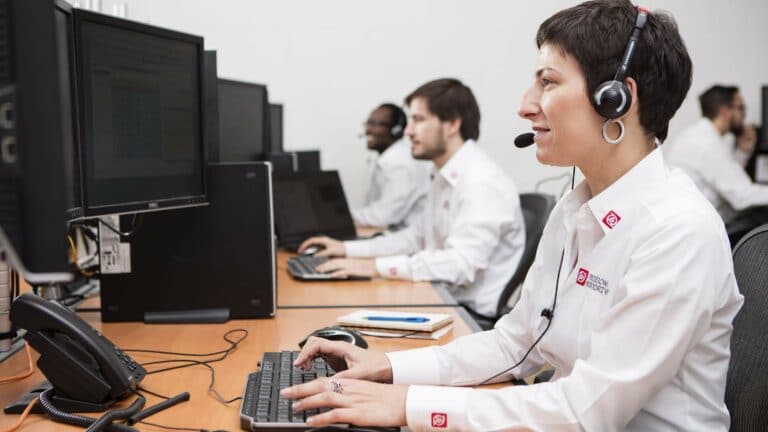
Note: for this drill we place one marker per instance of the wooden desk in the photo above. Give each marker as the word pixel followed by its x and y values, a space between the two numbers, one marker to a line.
pixel 203 411
pixel 379 292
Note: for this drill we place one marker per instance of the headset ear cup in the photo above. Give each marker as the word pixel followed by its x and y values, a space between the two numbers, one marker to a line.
pixel 396 131
pixel 612 99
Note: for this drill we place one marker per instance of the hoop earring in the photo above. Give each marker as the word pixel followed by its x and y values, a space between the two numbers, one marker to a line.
pixel 605 131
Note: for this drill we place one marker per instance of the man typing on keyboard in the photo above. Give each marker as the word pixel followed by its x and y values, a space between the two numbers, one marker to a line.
pixel 471 233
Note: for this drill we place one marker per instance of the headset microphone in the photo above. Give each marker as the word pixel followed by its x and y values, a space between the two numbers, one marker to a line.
pixel 524 140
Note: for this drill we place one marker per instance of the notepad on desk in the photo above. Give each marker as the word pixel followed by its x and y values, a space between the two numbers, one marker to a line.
pixel 392 320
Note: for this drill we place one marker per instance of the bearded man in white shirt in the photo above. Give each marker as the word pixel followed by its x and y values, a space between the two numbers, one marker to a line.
pixel 705 151
pixel 471 234
pixel 632 294
pixel 399 183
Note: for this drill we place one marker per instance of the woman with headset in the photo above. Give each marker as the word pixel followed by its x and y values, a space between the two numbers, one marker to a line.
pixel 631 296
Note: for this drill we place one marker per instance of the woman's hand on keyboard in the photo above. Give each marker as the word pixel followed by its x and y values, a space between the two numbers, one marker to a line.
pixel 328 247
pixel 349 361
pixel 357 402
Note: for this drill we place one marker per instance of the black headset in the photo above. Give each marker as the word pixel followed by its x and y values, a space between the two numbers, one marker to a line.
pixel 612 99
pixel 399 120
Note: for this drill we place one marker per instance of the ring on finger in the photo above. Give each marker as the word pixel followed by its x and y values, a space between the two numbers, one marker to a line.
pixel 337 387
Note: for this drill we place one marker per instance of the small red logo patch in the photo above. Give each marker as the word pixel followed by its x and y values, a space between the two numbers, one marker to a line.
pixel 439 420
pixel 582 277
pixel 393 271
pixel 446 204
pixel 611 219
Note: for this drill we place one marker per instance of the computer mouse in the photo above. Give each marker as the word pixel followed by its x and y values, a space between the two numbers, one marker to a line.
pixel 337 333
pixel 312 250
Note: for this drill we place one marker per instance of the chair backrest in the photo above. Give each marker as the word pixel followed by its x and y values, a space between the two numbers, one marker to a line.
pixel 746 391
pixel 536 208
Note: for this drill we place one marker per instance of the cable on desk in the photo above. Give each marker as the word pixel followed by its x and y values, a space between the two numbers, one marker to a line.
pixel 182 428
pixel 191 362
pixel 21 376
pixel 64 417
pixel 142 389
pixel 23 416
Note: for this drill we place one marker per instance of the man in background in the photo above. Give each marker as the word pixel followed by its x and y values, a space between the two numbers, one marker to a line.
pixel 399 182
pixel 472 232
pixel 707 153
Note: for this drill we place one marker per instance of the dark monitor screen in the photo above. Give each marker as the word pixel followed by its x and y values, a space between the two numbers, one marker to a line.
pixel 311 203
pixel 276 128
pixel 243 121
pixel 142 120
pixel 66 74
pixel 763 137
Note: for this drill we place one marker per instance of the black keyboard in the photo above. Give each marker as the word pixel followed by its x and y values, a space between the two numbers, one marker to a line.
pixel 303 267
pixel 262 408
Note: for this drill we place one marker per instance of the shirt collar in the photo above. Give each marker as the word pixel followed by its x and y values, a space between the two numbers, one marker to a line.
pixel 391 150
pixel 458 163
pixel 620 197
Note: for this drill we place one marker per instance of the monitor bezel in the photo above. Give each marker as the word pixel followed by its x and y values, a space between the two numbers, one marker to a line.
pixel 82 16
pixel 73 213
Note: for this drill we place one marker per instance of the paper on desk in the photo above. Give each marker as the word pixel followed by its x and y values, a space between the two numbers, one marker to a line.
pixel 406 334
pixel 360 318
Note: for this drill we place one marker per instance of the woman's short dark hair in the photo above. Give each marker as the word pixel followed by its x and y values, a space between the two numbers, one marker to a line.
pixel 715 97
pixel 449 99
pixel 596 33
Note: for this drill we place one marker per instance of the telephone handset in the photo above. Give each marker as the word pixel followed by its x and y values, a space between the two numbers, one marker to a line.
pixel 87 371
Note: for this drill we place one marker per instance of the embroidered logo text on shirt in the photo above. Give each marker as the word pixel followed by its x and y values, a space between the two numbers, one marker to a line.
pixel 611 219
pixel 439 420
pixel 393 271
pixel 592 281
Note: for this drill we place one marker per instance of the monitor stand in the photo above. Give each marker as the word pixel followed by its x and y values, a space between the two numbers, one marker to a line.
pixel 196 316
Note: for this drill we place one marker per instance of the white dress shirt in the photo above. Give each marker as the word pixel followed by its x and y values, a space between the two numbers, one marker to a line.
pixel 641 329
pixel 471 233
pixel 708 159
pixel 397 190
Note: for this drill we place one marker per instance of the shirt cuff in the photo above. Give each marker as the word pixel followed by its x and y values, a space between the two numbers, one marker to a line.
pixel 415 366
pixel 429 408
pixel 394 267
pixel 357 248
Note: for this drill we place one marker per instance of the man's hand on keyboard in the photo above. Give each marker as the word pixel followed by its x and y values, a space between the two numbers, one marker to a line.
pixel 330 247
pixel 357 402
pixel 348 267
pixel 349 361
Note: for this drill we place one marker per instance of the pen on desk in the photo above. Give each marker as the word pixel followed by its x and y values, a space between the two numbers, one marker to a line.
pixel 397 319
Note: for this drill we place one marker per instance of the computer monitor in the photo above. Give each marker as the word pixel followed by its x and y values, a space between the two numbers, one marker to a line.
pixel 66 57
pixel 276 127
pixel 211 81
pixel 141 114
pixel 243 121
pixel 33 179
pixel 763 137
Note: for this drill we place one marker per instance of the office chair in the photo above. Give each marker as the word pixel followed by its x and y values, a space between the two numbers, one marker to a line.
pixel 536 208
pixel 746 391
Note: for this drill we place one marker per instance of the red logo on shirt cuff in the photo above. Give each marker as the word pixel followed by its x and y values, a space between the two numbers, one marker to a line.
pixel 611 219
pixel 393 271
pixel 439 420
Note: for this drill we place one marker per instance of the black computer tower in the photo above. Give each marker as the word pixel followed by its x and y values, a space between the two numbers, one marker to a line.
pixel 307 161
pixel 210 81
pixel 200 261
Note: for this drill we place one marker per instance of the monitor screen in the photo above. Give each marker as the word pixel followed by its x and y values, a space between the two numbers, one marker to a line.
pixel 65 52
pixel 311 203
pixel 276 128
pixel 243 121
pixel 141 116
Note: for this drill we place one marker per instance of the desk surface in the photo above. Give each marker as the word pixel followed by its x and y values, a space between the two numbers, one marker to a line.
pixel 203 411
pixel 384 292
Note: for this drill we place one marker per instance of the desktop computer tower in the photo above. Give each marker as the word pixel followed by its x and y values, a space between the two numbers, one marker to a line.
pixel 305 161
pixel 202 264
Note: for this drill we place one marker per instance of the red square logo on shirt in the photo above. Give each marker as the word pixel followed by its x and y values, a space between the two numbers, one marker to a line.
pixel 582 277
pixel 439 420
pixel 611 219
pixel 393 271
